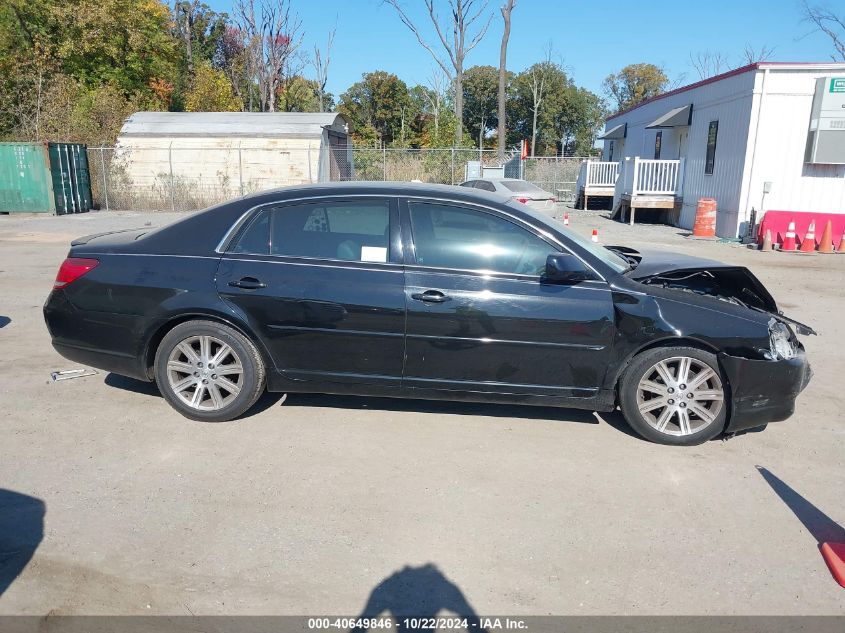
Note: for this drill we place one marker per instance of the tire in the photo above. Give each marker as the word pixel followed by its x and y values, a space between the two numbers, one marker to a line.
pixel 233 382
pixel 666 410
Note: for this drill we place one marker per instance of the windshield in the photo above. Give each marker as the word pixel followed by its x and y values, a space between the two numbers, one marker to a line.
pixel 522 186
pixel 615 261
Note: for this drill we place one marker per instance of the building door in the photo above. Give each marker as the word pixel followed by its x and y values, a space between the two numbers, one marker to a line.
pixel 683 141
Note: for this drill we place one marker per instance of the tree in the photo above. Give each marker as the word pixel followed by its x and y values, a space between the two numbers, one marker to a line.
pixel 578 117
pixel 536 95
pixel 75 70
pixel 201 32
pixel 506 10
pixel 299 94
pixel 321 62
pixel 831 24
pixel 634 84
pixel 211 92
pixel 708 64
pixel 375 107
pixel 481 84
pixel 462 15
pixel 125 43
pixel 751 55
pixel 272 35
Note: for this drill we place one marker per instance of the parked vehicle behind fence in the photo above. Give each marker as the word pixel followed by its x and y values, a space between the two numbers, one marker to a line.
pixel 425 291
pixel 518 190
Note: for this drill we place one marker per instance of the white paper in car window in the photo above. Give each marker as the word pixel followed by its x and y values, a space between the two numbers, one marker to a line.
pixel 373 254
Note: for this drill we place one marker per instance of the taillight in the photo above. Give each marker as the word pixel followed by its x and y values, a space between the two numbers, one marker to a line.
pixel 523 200
pixel 72 269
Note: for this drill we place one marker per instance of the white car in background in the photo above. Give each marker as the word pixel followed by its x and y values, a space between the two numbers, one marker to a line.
pixel 516 189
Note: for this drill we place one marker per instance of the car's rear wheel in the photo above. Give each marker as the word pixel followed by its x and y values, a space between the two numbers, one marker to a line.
pixel 208 371
pixel 674 395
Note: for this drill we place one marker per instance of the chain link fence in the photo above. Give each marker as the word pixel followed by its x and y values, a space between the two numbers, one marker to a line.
pixel 556 174
pixel 175 178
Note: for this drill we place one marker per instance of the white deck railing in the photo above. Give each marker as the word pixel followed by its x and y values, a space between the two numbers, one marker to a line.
pixel 596 173
pixel 601 173
pixel 646 177
pixel 657 177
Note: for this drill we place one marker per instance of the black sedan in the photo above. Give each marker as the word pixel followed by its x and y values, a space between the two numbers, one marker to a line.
pixel 425 291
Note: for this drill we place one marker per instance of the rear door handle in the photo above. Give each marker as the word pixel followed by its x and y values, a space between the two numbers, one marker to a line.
pixel 248 283
pixel 430 296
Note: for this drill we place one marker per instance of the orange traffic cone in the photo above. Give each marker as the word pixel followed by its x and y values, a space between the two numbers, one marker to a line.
pixel 834 556
pixel 808 244
pixel 826 244
pixel 841 248
pixel 565 219
pixel 789 238
pixel 595 237
pixel 767 242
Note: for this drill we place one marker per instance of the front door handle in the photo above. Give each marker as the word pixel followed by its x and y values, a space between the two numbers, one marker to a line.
pixel 430 296
pixel 248 283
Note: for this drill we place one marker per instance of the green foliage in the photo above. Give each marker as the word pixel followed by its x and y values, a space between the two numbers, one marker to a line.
pixel 377 106
pixel 634 84
pixel 211 92
pixel 481 94
pixel 299 94
pixel 125 43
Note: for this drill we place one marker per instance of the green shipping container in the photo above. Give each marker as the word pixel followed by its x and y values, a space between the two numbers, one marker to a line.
pixel 44 178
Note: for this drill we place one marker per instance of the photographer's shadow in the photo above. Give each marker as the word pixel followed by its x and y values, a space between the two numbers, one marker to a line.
pixel 421 593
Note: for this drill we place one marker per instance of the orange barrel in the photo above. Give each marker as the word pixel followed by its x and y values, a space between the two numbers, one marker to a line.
pixel 705 218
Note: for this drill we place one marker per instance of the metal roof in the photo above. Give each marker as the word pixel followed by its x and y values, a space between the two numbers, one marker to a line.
pixel 836 67
pixel 232 124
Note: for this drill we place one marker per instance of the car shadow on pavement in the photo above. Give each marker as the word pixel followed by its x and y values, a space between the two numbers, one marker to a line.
pixel 449 407
pixel 21 531
pixel 818 524
pixel 418 593
pixel 142 387
pixel 4 321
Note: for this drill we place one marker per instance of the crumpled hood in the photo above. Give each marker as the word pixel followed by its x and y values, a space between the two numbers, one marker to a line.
pixel 655 262
pixel 709 277
pixel 704 276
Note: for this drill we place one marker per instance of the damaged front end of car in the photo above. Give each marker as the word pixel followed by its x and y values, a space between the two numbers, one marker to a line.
pixel 766 367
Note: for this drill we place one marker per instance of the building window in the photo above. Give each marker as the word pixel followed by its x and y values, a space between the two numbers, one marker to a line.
pixel 658 141
pixel 710 159
pixel 610 153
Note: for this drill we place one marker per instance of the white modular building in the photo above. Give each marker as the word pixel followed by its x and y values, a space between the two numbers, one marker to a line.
pixel 767 136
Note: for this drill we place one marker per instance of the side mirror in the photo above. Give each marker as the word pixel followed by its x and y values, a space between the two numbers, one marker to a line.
pixel 565 268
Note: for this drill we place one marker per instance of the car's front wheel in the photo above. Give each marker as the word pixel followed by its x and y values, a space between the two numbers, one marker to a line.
pixel 208 371
pixel 674 395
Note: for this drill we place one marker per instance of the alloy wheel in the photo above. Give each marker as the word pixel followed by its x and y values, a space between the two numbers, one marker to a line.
pixel 680 396
pixel 205 372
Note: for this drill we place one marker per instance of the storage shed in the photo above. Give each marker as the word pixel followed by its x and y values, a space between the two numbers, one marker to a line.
pixel 767 136
pixel 215 155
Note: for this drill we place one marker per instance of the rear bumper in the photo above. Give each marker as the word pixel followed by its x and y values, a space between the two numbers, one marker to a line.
pixel 763 391
pixel 104 341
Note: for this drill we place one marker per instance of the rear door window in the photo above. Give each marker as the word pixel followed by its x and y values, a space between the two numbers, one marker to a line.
pixel 345 230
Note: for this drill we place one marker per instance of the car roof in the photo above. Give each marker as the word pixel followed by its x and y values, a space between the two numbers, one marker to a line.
pixel 357 188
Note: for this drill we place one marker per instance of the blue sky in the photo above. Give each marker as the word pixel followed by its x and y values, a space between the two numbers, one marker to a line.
pixel 590 38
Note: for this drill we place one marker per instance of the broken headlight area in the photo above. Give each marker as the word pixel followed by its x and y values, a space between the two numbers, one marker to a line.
pixel 783 344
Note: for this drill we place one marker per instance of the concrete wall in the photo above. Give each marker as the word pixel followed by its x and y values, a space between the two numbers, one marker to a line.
pixel 223 165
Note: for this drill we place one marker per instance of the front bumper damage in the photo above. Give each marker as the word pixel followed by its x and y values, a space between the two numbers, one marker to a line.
pixel 763 391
